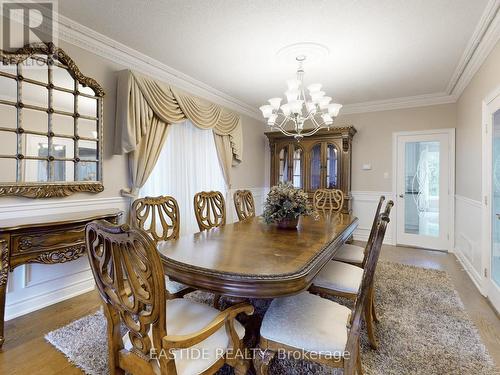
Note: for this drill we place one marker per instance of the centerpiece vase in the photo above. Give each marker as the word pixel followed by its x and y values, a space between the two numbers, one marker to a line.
pixel 288 223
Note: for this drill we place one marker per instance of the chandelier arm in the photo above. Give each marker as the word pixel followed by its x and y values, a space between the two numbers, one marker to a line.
pixel 314 131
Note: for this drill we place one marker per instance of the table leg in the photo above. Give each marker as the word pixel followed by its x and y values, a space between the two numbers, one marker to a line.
pixel 4 275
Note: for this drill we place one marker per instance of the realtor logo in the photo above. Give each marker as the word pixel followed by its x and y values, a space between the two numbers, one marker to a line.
pixel 27 22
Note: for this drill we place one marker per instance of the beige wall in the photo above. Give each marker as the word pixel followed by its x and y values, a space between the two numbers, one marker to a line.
pixel 250 173
pixel 373 142
pixel 469 120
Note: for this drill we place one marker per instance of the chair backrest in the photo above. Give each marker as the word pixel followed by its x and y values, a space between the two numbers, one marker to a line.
pixel 157 216
pixel 129 276
pixel 244 204
pixel 328 199
pixel 373 230
pixel 366 284
pixel 210 209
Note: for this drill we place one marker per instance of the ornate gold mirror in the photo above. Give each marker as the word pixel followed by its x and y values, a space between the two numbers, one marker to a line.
pixel 50 125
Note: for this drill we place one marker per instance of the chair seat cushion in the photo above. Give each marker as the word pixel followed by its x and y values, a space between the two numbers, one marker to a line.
pixel 173 286
pixel 185 317
pixel 340 276
pixel 307 322
pixel 350 254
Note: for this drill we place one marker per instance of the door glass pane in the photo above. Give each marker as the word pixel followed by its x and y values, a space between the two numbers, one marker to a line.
pixel 422 188
pixel 316 167
pixel 297 167
pixel 495 246
pixel 331 167
pixel 283 167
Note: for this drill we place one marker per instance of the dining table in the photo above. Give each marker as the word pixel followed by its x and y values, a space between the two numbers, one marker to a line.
pixel 250 260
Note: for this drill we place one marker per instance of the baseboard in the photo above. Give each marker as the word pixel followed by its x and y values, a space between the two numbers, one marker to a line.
pixel 40 301
pixel 471 272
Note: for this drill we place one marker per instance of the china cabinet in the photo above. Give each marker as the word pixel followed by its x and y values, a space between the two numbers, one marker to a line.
pixel 321 161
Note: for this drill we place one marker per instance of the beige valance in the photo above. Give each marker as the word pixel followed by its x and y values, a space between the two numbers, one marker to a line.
pixel 141 97
pixel 146 107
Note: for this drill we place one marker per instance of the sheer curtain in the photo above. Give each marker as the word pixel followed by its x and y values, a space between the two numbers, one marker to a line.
pixel 188 163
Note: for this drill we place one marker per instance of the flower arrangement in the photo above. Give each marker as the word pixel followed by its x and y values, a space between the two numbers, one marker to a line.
pixel 284 204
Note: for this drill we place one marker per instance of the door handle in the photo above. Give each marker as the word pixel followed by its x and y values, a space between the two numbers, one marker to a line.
pixel 402 196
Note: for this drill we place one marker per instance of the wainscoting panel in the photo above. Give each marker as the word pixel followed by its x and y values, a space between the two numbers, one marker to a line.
pixel 34 286
pixel 468 237
pixel 364 204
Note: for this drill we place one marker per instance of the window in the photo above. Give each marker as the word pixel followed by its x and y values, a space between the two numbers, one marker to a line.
pixel 187 164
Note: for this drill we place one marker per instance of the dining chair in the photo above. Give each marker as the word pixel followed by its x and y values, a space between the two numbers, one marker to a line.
pixel 159 218
pixel 209 209
pixel 328 199
pixel 354 254
pixel 339 279
pixel 317 329
pixel 244 204
pixel 129 276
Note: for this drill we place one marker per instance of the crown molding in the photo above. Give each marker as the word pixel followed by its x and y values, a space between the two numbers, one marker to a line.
pixel 81 36
pixel 482 42
pixel 398 103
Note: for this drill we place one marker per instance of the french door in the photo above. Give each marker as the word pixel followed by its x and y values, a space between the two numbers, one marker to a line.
pixel 424 183
pixel 491 175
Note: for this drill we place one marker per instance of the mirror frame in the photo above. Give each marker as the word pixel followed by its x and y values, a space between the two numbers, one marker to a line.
pixel 56 189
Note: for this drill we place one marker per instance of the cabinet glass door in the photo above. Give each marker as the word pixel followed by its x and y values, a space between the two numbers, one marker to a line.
pixel 297 167
pixel 331 167
pixel 315 164
pixel 283 165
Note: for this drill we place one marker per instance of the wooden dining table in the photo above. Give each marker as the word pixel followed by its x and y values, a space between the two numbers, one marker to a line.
pixel 251 259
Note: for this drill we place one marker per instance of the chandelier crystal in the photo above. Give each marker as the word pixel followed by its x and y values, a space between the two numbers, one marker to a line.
pixel 300 109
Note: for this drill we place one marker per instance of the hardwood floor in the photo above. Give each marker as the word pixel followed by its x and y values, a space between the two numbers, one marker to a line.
pixel 26 351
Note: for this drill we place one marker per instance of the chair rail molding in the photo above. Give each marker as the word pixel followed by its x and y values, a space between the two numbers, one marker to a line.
pixel 468 233
pixel 364 204
pixel 34 286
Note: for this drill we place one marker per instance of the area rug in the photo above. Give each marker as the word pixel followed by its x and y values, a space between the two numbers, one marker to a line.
pixel 424 329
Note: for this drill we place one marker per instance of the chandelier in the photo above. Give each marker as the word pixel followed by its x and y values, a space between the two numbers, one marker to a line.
pixel 303 115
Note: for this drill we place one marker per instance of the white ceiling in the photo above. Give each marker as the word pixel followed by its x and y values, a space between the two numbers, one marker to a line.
pixel 379 50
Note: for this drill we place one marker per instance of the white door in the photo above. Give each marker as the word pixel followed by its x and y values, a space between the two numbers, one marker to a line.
pixel 423 182
pixel 492 261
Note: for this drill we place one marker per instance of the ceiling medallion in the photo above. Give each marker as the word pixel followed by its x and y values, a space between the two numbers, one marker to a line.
pixel 306 111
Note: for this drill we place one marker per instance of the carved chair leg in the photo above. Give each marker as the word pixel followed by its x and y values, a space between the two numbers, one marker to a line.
pixel 369 325
pixel 374 307
pixel 261 360
pixel 114 336
pixel 359 366
pixel 241 367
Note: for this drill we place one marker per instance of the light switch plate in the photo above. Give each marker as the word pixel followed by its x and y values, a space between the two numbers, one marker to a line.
pixel 366 167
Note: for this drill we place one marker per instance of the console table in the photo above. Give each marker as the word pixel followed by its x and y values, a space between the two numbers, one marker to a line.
pixel 47 239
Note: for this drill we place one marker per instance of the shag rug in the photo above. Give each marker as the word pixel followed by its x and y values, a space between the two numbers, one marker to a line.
pixel 424 329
